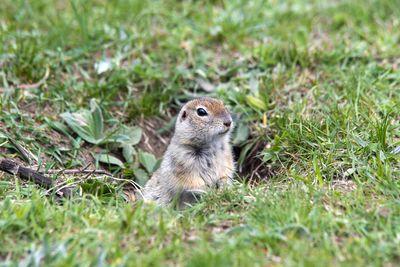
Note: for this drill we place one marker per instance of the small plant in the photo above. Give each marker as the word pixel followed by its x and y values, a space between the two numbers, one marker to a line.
pixel 90 126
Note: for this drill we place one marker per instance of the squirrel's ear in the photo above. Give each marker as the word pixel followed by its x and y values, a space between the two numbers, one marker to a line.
pixel 183 117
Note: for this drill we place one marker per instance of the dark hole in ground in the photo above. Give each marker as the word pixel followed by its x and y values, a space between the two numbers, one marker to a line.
pixel 253 168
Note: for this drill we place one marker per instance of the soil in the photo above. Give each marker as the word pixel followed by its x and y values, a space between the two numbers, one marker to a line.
pixel 152 141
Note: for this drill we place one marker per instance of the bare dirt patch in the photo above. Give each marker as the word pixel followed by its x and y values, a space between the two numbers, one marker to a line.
pixel 152 141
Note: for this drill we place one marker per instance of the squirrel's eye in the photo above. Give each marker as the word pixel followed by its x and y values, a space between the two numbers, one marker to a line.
pixel 201 112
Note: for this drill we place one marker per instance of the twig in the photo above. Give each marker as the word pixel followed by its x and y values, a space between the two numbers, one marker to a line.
pixel 62 189
pixel 255 172
pixel 87 166
pixel 11 167
pixel 79 171
pixel 62 171
pixel 87 175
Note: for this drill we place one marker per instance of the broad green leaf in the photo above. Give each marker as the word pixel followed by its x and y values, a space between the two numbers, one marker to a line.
pixel 128 151
pixel 89 125
pixel 141 176
pixel 128 136
pixel 109 159
pixel 256 103
pixel 78 124
pixel 97 119
pixel 58 126
pixel 148 161
pixel 241 134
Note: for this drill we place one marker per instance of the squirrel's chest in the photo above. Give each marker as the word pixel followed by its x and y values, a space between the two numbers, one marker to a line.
pixel 201 169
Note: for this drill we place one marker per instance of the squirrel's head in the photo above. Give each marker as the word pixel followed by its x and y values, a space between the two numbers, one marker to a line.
pixel 203 120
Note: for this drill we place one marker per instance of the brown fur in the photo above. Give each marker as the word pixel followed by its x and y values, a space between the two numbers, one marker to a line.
pixel 199 156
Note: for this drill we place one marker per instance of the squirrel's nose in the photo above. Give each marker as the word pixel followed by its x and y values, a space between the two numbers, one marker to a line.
pixel 227 123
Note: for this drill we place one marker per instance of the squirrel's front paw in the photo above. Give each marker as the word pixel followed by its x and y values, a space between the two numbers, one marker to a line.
pixel 224 182
pixel 188 197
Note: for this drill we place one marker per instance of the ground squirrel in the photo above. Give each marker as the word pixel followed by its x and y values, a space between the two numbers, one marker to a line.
pixel 199 156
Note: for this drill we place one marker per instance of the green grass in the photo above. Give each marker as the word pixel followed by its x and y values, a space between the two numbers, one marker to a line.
pixel 315 89
pixel 275 224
